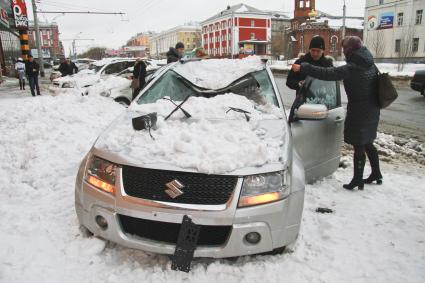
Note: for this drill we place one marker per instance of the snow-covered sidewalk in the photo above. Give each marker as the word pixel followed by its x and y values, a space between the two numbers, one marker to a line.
pixel 377 235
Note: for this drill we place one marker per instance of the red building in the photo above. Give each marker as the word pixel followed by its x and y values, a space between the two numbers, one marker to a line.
pixel 308 23
pixel 239 30
pixel 49 34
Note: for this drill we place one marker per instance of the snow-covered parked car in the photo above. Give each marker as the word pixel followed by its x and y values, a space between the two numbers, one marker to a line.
pixel 209 141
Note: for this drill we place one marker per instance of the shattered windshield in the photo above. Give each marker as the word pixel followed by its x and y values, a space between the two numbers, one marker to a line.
pixel 255 86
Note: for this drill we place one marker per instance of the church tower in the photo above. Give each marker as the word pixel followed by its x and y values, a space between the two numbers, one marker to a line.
pixel 303 8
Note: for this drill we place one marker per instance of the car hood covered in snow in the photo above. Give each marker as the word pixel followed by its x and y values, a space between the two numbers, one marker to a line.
pixel 213 141
pixel 80 80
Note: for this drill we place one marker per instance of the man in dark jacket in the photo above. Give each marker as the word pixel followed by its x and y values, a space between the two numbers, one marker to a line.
pixel 316 57
pixel 175 54
pixel 32 70
pixel 139 75
pixel 68 68
pixel 361 83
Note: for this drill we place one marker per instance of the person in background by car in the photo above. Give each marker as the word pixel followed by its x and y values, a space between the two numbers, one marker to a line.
pixel 20 71
pixel 175 54
pixel 316 57
pixel 68 68
pixel 139 77
pixel 361 83
pixel 32 70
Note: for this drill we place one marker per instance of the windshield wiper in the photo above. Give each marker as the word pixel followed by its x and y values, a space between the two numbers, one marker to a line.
pixel 184 111
pixel 178 107
pixel 240 111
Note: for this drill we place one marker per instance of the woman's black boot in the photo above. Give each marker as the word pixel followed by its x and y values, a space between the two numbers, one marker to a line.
pixel 375 176
pixel 357 181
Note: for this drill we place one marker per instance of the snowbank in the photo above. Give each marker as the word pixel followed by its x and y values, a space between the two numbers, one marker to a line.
pixel 218 73
pixel 213 142
pixel 373 236
pixel 395 148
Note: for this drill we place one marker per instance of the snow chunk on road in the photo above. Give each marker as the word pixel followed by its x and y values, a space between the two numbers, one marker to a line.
pixel 218 73
pixel 211 142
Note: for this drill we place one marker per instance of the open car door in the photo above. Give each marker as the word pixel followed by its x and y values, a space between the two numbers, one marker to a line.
pixel 319 142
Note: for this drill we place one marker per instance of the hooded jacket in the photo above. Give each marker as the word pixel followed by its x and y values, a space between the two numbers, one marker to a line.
pixel 172 55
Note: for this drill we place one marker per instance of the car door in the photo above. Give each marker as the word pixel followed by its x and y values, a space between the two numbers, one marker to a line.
pixel 319 142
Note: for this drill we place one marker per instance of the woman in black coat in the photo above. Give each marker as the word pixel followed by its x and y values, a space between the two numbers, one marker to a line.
pixel 139 74
pixel 360 82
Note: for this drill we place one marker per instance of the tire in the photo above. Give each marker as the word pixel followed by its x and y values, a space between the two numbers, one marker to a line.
pixel 123 101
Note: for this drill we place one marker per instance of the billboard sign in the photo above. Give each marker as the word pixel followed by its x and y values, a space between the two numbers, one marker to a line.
pixel 386 20
pixel 45 51
pixel 19 9
pixel 4 18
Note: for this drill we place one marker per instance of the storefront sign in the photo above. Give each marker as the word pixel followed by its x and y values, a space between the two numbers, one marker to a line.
pixel 386 20
pixel 4 19
pixel 20 13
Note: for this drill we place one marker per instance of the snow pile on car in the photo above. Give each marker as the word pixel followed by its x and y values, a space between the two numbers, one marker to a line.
pixel 218 73
pixel 104 86
pixel 79 80
pixel 213 141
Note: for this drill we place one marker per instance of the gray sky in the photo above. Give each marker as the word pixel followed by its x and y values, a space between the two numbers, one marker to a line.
pixel 156 15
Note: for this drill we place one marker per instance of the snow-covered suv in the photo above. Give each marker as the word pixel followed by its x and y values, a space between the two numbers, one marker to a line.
pixel 209 141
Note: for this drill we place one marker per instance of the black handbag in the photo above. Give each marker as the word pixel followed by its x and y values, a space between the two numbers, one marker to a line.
pixel 387 93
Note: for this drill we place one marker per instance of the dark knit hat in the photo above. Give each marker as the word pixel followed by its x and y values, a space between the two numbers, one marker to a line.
pixel 351 44
pixel 179 45
pixel 317 42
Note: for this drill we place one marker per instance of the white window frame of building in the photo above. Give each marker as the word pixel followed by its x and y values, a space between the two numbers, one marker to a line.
pixel 252 35
pixel 415 44
pixel 400 17
pixel 334 43
pixel 419 14
pixel 307 4
pixel 301 4
pixel 252 23
pixel 397 45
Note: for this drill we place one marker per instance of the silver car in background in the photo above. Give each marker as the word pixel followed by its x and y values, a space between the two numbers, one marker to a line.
pixel 124 202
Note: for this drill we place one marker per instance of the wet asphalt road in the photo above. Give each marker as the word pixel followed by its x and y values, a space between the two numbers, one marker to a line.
pixel 405 117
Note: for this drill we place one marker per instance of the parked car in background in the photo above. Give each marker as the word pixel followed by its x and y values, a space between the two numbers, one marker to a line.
pixel 227 158
pixel 418 82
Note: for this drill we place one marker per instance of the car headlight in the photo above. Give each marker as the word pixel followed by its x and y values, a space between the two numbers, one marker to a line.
pixel 101 174
pixel 264 188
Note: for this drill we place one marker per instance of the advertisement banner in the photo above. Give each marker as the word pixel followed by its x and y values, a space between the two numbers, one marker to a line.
pixel 20 14
pixel 4 19
pixel 386 20
pixel 45 51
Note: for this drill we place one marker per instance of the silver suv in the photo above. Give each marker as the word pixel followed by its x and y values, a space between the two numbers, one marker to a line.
pixel 133 190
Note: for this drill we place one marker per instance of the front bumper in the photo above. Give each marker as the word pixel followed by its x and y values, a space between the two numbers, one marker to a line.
pixel 278 223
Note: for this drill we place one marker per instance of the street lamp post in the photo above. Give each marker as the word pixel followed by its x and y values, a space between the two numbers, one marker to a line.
pixel 38 40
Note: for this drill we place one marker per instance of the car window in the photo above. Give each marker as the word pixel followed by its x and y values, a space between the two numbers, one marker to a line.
pixel 115 68
pixel 256 87
pixel 321 92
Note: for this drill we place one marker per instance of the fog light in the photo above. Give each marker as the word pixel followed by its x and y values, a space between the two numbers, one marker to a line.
pixel 253 238
pixel 101 222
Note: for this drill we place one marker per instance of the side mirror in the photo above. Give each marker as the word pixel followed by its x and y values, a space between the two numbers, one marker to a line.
pixel 311 112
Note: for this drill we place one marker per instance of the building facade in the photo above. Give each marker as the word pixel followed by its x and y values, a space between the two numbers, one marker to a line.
pixel 395 29
pixel 308 23
pixel 281 23
pixel 189 34
pixel 240 30
pixel 49 38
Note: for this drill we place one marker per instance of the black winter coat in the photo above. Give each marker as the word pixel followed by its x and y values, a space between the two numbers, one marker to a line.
pixel 32 69
pixel 172 55
pixel 139 72
pixel 361 85
pixel 68 69
pixel 294 78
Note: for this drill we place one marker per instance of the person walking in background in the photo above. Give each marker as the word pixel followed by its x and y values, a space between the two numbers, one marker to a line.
pixel 68 68
pixel 175 54
pixel 360 78
pixel 20 71
pixel 316 57
pixel 32 70
pixel 139 77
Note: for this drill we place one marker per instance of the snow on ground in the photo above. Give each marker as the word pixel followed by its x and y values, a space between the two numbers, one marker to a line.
pixel 213 142
pixel 217 79
pixel 377 235
pixel 408 70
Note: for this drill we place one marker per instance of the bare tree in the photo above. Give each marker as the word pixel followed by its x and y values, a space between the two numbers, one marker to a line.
pixel 405 49
pixel 376 42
